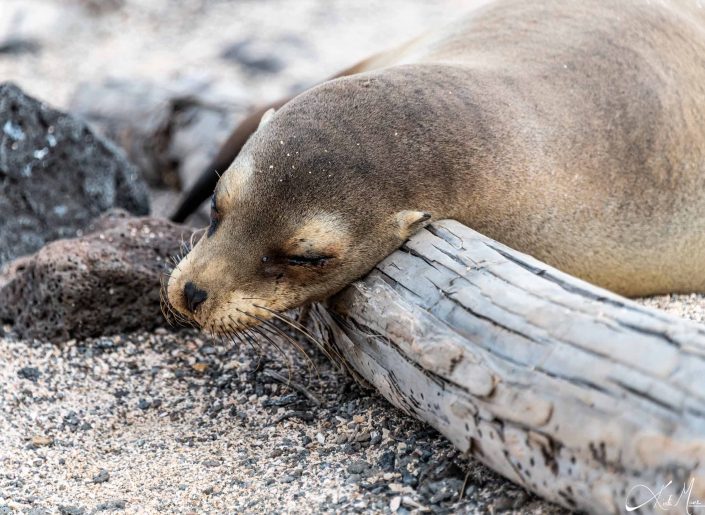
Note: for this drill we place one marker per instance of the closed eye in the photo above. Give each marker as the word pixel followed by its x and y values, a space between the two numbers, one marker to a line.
pixel 215 217
pixel 307 260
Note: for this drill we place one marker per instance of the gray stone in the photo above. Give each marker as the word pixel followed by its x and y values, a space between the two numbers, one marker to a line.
pixel 56 175
pixel 255 55
pixel 102 476
pixel 16 45
pixel 101 7
pixel 114 505
pixel 358 467
pixel 71 510
pixel 26 27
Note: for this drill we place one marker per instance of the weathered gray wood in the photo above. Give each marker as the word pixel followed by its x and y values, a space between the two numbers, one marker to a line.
pixel 573 392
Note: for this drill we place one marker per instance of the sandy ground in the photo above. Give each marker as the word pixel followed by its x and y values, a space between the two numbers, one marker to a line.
pixel 165 39
pixel 177 423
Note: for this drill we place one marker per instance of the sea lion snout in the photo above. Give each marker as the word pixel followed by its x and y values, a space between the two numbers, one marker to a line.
pixel 194 296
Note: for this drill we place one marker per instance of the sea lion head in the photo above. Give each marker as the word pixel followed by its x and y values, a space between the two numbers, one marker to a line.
pixel 302 211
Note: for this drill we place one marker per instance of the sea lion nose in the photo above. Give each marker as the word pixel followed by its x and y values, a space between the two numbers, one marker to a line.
pixel 194 296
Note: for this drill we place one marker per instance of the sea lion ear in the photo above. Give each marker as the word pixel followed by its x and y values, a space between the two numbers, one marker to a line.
pixel 266 117
pixel 409 222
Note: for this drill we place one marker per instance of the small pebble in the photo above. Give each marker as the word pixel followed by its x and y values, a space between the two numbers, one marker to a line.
pixel 115 505
pixel 42 441
pixel 30 373
pixel 71 510
pixel 362 437
pixel 375 438
pixel 101 477
pixel 200 367
pixel 353 478
pixel 358 467
pixel 408 479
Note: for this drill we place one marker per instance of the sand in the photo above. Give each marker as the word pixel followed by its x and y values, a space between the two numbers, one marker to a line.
pixel 178 423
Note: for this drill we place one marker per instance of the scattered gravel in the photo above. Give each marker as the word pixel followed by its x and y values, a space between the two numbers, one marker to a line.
pixel 686 306
pixel 178 422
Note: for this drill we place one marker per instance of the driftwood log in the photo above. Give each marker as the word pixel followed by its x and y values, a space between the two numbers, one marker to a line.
pixel 579 395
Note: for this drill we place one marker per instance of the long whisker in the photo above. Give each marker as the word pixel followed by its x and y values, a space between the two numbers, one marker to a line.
pixel 240 335
pixel 170 314
pixel 274 329
pixel 269 326
pixel 254 343
pixel 222 333
pixel 299 328
pixel 162 302
pixel 291 323
pixel 289 363
pixel 233 333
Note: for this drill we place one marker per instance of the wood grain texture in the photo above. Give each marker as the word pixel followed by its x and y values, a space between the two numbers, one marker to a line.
pixel 575 393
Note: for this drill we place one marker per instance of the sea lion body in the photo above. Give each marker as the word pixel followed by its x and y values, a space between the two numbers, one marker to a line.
pixel 590 120
pixel 570 130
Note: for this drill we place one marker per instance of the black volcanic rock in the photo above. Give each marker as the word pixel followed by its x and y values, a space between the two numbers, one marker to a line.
pixel 56 175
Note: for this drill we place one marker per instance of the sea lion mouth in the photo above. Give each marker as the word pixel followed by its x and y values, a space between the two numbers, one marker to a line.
pixel 241 314
pixel 246 319
pixel 185 303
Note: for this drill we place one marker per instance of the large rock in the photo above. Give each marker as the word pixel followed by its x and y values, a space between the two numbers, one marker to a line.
pixel 56 175
pixel 170 130
pixel 105 282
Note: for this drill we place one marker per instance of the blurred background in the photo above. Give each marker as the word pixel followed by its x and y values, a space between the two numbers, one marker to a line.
pixel 167 80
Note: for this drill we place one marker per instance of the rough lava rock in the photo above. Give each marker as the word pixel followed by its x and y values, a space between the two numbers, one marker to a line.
pixel 56 175
pixel 104 282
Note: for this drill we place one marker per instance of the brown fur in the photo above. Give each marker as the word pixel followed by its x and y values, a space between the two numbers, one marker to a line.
pixel 570 130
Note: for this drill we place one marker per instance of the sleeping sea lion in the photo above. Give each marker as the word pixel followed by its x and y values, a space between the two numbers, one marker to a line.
pixel 571 130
